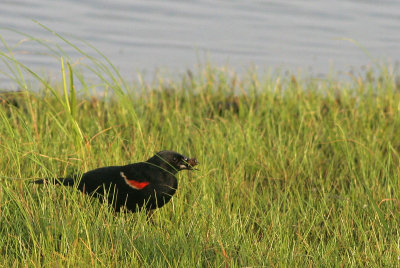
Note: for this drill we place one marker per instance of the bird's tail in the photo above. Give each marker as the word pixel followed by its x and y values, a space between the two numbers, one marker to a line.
pixel 63 181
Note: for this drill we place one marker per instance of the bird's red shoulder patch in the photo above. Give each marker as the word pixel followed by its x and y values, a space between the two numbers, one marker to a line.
pixel 137 185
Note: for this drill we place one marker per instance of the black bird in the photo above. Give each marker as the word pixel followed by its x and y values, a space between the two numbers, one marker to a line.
pixel 150 184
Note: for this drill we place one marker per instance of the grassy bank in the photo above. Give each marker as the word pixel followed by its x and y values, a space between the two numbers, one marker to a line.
pixel 293 172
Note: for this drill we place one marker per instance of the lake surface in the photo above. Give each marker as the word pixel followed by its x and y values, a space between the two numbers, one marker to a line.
pixel 148 36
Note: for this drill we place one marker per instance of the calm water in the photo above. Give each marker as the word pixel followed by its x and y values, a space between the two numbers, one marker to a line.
pixel 177 35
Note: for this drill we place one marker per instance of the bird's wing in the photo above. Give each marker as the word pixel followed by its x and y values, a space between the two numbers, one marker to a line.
pixel 133 175
pixel 136 175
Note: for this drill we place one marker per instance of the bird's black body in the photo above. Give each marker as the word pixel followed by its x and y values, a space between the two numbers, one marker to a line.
pixel 150 184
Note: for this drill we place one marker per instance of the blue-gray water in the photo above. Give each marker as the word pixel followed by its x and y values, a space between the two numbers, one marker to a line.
pixel 176 35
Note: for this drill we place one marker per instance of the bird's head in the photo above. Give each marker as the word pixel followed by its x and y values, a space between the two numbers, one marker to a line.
pixel 172 161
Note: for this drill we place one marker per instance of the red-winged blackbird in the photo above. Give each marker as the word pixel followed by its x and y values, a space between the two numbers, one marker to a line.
pixel 149 184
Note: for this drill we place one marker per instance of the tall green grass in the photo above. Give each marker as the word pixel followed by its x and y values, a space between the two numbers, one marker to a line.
pixel 294 171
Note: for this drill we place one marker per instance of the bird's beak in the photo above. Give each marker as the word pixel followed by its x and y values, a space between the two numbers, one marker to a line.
pixel 190 164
